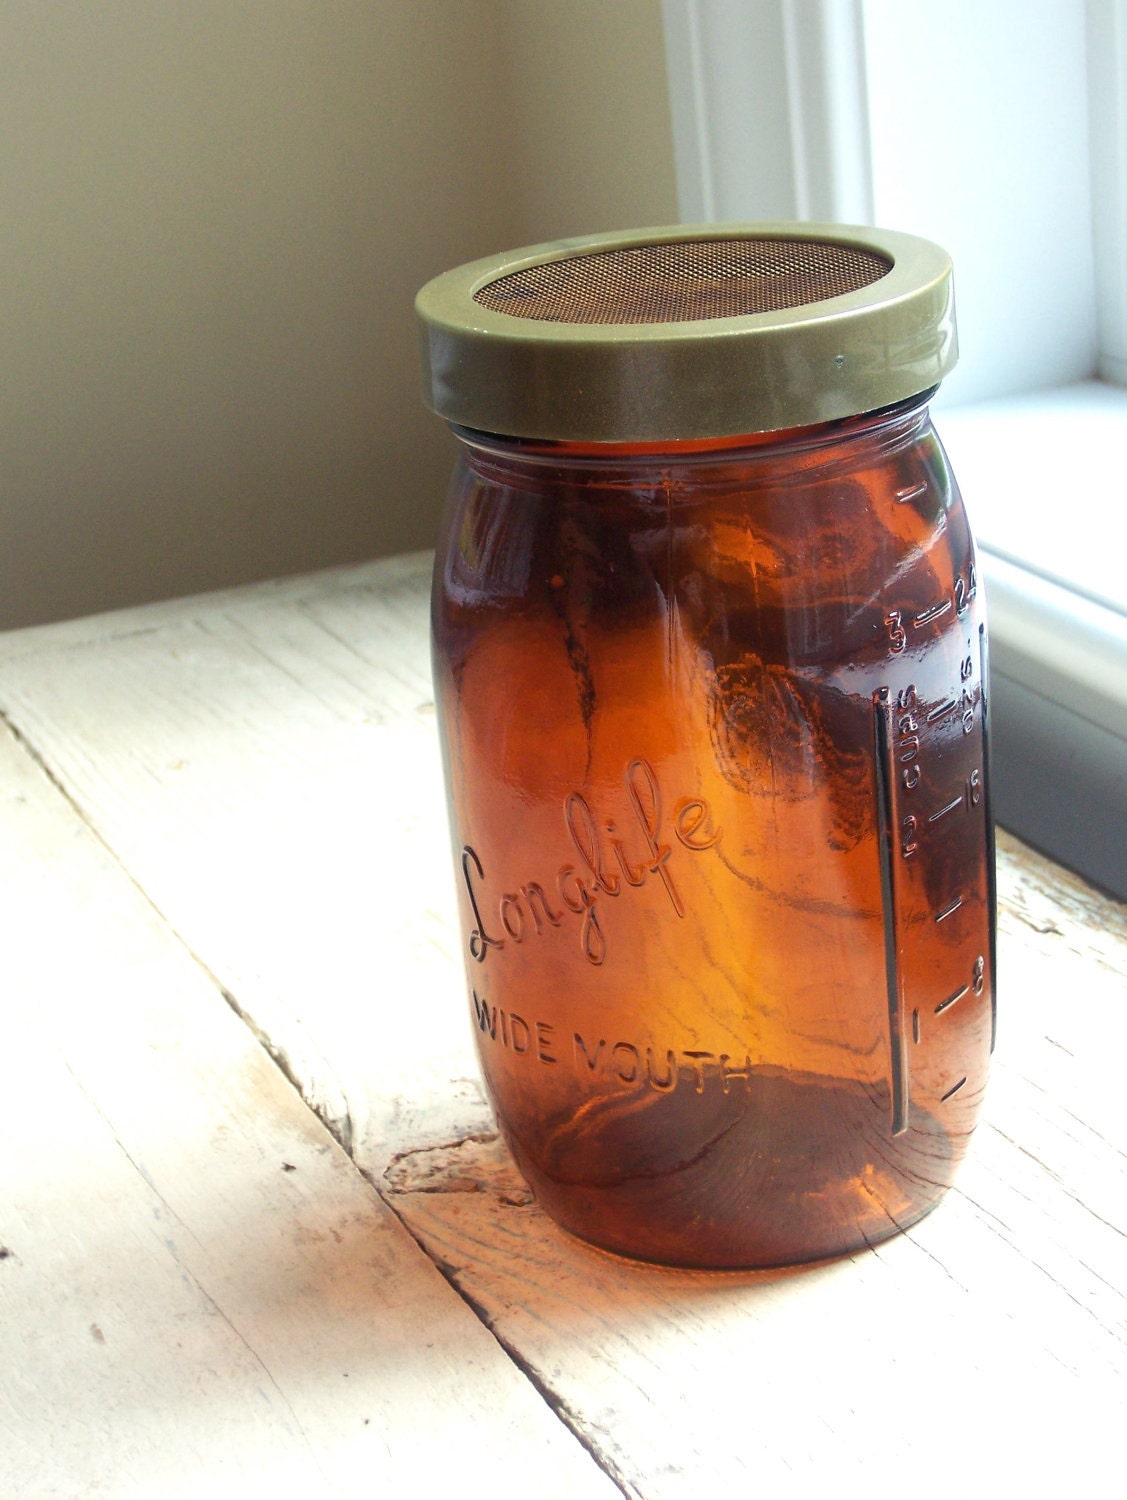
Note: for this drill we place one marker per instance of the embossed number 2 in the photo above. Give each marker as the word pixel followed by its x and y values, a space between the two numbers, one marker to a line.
pixel 897 635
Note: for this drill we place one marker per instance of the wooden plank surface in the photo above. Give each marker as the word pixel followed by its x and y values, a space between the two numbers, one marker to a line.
pixel 199 1293
pixel 264 766
pixel 985 1348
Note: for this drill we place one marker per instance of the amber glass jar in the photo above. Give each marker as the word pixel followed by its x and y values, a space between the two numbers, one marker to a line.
pixel 713 706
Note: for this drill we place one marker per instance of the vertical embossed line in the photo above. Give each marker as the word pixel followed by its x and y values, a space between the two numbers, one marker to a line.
pixel 991 871
pixel 898 1047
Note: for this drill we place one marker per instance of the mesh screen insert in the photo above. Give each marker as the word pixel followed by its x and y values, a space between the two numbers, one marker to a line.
pixel 681 282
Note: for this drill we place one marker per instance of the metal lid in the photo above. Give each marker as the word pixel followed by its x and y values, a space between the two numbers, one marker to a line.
pixel 694 331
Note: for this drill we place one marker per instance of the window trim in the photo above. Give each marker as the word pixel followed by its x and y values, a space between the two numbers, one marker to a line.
pixel 770 110
pixel 1107 106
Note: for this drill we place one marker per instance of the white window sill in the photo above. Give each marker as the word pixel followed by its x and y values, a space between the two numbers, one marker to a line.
pixel 1041 475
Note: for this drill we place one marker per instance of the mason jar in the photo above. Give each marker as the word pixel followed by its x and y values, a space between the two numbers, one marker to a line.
pixel 710 666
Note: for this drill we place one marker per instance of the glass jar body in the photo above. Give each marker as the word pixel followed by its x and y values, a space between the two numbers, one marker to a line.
pixel 714 727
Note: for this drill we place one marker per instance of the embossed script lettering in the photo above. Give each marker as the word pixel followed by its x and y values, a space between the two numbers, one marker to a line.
pixel 607 863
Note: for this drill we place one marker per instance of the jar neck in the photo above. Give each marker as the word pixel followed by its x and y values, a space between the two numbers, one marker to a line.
pixel 493 455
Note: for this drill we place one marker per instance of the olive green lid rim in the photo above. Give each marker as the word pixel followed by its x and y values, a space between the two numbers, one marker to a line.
pixel 622 382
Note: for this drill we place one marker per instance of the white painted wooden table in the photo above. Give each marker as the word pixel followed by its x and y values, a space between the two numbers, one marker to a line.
pixel 256 1234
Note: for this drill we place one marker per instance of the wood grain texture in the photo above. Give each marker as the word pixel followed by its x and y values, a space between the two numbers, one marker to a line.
pixel 199 1293
pixel 985 1347
pixel 263 765
pixel 944 1357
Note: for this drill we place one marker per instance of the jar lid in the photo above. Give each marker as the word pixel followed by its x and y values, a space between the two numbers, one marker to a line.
pixel 694 331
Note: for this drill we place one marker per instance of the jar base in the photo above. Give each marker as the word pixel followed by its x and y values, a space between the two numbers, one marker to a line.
pixel 799 1169
pixel 749 1261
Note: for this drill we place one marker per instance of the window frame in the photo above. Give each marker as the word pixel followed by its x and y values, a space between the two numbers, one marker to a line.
pixel 772 119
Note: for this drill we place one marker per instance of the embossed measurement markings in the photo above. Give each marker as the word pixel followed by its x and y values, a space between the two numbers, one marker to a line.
pixel 930 752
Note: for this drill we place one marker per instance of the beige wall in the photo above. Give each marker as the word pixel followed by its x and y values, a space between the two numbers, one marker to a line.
pixel 593 142
pixel 213 219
